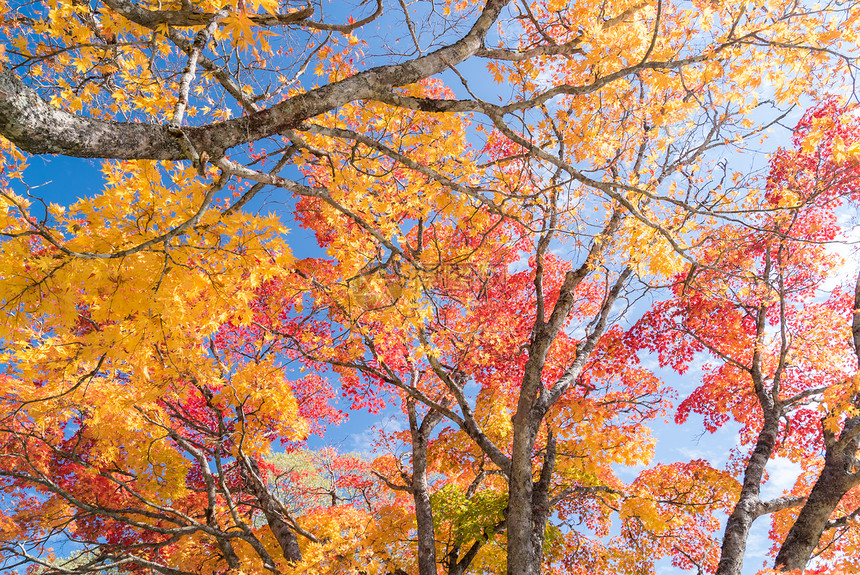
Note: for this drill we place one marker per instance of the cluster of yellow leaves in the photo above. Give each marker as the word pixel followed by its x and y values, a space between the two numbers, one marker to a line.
pixel 12 166
pixel 242 32
pixel 678 506
pixel 106 319
pixel 352 540
pixel 649 250
pixel 108 338
pixel 79 265
pixel 838 404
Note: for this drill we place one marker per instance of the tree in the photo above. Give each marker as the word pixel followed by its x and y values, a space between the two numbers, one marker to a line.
pixel 786 359
pixel 474 261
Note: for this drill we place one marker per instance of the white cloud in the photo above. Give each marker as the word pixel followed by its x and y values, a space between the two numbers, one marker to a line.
pixel 782 473
pixel 364 441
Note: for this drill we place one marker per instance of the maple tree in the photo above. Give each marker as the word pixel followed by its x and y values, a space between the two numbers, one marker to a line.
pixel 786 358
pixel 168 351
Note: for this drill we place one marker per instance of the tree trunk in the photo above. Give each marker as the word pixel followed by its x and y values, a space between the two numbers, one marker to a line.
pixel 421 489
pixel 746 509
pixel 835 480
pixel 540 497
pixel 523 557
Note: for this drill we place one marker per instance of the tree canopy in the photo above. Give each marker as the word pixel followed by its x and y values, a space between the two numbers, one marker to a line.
pixel 517 212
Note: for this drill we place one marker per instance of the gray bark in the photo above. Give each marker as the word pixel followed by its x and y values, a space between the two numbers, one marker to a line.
pixel 540 496
pixel 748 507
pixel 185 18
pixel 37 127
pixel 522 555
pixel 421 489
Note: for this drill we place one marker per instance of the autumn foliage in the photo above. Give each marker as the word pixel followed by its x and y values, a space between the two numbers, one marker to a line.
pixel 531 230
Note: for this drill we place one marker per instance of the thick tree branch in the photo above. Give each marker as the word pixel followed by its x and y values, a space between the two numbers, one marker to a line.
pixel 40 128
